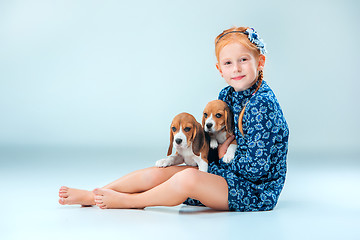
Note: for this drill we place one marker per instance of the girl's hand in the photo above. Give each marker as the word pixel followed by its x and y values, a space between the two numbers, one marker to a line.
pixel 223 147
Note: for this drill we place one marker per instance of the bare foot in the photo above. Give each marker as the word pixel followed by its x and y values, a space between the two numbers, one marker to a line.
pixel 71 196
pixel 107 198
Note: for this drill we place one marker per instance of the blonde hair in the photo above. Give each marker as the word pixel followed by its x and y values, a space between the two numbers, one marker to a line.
pixel 236 35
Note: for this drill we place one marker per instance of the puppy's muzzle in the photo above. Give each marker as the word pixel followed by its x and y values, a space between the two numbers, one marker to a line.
pixel 178 141
pixel 209 126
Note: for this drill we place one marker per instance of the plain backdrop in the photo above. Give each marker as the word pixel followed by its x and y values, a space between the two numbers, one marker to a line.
pixel 115 73
pixel 88 90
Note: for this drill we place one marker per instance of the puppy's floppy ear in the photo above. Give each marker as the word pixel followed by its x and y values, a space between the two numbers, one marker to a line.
pixel 199 139
pixel 203 120
pixel 171 142
pixel 229 120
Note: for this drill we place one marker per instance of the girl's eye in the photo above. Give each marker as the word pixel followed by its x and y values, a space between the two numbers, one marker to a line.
pixel 205 115
pixel 218 115
pixel 227 63
pixel 173 129
pixel 243 60
pixel 187 129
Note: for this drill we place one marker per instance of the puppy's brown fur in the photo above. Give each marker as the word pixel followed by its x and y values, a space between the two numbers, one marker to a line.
pixel 194 134
pixel 222 120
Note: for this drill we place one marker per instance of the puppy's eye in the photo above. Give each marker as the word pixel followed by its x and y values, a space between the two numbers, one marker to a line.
pixel 205 115
pixel 173 129
pixel 187 129
pixel 218 115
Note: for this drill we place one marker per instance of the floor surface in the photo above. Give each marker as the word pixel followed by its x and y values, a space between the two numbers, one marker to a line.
pixel 321 200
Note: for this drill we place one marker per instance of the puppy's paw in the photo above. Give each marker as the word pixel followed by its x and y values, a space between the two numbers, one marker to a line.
pixel 230 153
pixel 203 168
pixel 213 143
pixel 163 163
pixel 228 157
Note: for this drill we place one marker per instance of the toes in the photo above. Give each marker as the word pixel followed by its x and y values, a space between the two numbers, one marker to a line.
pixel 63 192
pixel 65 201
pixel 63 195
pixel 101 205
pixel 99 198
pixel 62 201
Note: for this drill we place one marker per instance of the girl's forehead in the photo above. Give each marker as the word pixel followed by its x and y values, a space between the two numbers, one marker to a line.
pixel 233 49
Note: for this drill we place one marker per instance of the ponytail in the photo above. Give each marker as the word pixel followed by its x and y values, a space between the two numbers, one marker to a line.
pixel 241 115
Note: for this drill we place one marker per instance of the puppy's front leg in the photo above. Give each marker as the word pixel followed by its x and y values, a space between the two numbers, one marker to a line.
pixel 230 153
pixel 170 161
pixel 202 164
pixel 213 143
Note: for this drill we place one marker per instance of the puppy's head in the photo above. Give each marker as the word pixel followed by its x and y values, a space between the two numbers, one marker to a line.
pixel 186 131
pixel 217 116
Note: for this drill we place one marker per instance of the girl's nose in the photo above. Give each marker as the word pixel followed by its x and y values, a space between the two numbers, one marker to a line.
pixel 237 68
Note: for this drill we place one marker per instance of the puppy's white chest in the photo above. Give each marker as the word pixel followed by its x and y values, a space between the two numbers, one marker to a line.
pixel 188 156
pixel 221 137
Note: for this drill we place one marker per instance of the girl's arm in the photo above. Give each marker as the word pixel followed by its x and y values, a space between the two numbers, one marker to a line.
pixel 223 147
pixel 266 134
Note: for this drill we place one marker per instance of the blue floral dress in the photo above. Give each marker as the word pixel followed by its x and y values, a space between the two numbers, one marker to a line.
pixel 256 175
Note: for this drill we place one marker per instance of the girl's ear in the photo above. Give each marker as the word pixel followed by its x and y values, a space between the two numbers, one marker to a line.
pixel 219 69
pixel 261 62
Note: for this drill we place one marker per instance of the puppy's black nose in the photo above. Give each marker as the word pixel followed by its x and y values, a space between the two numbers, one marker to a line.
pixel 178 140
pixel 209 125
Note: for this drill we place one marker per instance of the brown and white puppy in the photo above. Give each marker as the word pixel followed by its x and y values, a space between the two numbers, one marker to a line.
pixel 188 137
pixel 218 122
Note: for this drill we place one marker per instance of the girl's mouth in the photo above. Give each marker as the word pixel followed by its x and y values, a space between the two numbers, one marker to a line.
pixel 238 78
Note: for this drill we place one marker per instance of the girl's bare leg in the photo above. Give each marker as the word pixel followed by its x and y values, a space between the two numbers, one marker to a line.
pixel 144 179
pixel 135 182
pixel 211 190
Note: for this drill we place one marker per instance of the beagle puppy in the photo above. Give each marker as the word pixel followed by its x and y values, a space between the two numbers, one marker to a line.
pixel 188 137
pixel 218 122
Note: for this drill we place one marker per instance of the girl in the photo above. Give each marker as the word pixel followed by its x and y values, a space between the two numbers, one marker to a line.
pixel 255 177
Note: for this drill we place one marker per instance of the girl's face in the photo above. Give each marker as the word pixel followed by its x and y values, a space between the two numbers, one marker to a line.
pixel 238 66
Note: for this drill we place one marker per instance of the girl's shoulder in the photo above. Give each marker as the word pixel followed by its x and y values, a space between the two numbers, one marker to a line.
pixel 225 93
pixel 265 96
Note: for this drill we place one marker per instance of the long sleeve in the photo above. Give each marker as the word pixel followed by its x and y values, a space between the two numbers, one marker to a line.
pixel 264 130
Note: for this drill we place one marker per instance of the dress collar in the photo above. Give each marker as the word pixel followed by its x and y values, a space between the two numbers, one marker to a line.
pixel 244 94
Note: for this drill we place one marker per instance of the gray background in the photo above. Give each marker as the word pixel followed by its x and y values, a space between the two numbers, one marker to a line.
pixel 88 90
pixel 114 73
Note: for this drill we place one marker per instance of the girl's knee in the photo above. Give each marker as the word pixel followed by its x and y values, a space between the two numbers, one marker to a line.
pixel 185 181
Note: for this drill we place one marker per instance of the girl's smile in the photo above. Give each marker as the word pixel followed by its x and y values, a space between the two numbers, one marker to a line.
pixel 238 78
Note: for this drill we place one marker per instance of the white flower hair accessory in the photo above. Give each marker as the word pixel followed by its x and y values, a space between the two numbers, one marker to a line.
pixel 253 37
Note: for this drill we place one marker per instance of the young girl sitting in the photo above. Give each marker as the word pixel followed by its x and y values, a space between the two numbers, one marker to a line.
pixel 252 181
